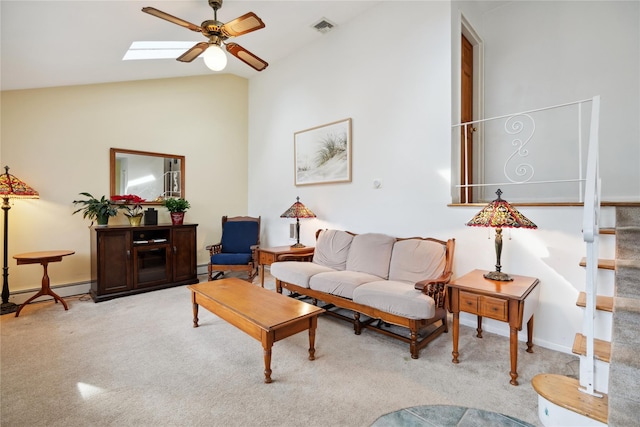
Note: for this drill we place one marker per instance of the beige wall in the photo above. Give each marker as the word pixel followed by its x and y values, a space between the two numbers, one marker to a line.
pixel 58 139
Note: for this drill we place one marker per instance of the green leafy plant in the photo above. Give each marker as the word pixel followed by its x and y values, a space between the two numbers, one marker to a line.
pixel 176 205
pixel 96 209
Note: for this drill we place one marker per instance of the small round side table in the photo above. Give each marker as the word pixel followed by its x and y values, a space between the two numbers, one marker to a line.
pixel 44 258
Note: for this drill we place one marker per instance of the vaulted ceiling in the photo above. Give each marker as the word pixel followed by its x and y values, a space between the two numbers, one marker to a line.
pixel 59 43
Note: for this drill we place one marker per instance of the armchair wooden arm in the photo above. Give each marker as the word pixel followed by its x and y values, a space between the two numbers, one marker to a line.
pixel 214 249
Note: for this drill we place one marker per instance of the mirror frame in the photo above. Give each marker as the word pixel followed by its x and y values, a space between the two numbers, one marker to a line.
pixel 112 168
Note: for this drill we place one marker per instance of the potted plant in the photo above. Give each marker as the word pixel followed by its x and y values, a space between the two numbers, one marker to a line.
pixel 134 213
pixel 177 208
pixel 98 210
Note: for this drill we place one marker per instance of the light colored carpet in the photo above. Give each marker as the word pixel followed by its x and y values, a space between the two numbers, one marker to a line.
pixel 138 361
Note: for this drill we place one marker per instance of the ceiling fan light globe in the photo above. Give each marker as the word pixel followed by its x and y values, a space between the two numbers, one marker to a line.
pixel 215 58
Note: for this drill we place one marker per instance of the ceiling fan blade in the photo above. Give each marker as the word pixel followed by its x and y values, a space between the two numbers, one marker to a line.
pixel 247 57
pixel 193 53
pixel 162 15
pixel 242 25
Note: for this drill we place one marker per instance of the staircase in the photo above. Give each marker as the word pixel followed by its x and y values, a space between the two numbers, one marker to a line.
pixel 608 389
pixel 624 372
pixel 615 396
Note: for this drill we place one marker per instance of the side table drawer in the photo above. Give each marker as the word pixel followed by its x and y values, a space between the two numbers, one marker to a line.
pixel 493 308
pixel 469 302
pixel 267 258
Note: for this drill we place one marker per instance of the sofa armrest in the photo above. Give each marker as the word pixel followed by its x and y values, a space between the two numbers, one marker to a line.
pixel 435 288
pixel 296 257
pixel 214 249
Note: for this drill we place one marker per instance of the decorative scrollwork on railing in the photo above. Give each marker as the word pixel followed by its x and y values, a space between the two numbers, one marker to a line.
pixel 523 171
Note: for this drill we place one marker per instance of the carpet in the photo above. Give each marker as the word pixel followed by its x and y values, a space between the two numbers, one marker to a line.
pixel 137 361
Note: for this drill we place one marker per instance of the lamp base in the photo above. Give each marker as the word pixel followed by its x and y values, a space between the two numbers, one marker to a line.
pixel 8 307
pixel 498 275
pixel 298 245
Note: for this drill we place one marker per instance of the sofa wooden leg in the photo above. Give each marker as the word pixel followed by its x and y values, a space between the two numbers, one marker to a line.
pixel 357 326
pixel 413 346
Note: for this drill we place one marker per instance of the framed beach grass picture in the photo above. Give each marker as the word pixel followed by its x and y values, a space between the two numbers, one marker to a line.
pixel 322 154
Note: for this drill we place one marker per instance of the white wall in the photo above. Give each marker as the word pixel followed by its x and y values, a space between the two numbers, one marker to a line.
pixel 538 54
pixel 397 90
pixel 58 139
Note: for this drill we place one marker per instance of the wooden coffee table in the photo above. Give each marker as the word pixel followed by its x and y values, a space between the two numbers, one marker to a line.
pixel 265 315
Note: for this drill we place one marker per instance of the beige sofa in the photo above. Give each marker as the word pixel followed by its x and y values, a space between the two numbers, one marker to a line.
pixel 389 280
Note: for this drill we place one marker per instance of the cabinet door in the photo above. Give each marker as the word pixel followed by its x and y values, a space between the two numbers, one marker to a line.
pixel 114 262
pixel 151 265
pixel 183 240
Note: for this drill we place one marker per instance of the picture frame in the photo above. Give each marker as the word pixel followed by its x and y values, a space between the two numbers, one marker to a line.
pixel 322 154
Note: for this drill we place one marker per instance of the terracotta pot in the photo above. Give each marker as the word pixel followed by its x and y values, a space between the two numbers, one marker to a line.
pixel 177 218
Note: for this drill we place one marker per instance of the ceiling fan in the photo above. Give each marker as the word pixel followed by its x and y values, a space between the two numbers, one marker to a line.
pixel 218 33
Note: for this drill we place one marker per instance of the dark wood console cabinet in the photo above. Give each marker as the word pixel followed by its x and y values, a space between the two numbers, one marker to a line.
pixel 127 260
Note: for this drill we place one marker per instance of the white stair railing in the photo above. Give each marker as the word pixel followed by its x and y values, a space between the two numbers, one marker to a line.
pixel 512 139
pixel 590 231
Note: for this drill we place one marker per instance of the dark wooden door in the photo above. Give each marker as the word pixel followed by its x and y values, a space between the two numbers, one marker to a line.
pixel 466 115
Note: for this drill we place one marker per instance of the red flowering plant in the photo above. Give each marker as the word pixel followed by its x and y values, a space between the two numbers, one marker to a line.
pixel 127 200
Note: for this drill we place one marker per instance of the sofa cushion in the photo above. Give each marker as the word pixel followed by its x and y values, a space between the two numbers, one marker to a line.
pixel 395 297
pixel 340 283
pixel 296 273
pixel 230 259
pixel 413 260
pixel 370 253
pixel 332 247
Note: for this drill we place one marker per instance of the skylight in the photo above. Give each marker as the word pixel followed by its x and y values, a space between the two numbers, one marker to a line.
pixel 156 50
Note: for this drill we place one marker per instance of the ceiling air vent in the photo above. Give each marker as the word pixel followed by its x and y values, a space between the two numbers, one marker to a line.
pixel 324 25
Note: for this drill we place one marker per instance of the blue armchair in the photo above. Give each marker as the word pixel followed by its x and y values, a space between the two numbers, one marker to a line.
pixel 238 247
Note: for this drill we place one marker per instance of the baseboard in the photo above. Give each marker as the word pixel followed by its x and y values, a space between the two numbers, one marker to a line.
pixel 67 290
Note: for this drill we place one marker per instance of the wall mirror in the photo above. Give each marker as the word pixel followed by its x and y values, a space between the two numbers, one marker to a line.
pixel 152 176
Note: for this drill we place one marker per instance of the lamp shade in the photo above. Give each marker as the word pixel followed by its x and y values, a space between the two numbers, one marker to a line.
pixel 13 188
pixel 500 214
pixel 298 210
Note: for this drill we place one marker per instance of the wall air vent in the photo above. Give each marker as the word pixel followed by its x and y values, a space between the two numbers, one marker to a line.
pixel 324 25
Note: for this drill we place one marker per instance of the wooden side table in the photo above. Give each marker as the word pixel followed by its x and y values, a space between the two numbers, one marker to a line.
pixel 44 258
pixel 510 302
pixel 268 256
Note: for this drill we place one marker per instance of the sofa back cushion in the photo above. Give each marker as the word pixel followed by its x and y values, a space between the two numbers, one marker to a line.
pixel 332 248
pixel 413 260
pixel 371 253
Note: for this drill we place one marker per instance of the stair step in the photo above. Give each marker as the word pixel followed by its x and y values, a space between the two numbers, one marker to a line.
pixel 603 303
pixel 602 349
pixel 605 264
pixel 565 392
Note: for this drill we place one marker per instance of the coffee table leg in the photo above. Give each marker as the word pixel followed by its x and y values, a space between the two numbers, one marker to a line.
pixel 267 343
pixel 195 309
pixel 313 322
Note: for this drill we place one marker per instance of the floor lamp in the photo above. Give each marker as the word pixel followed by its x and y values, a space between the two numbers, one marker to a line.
pixel 10 188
